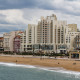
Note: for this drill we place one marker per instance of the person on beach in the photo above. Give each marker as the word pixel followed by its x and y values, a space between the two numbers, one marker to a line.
pixel 16 60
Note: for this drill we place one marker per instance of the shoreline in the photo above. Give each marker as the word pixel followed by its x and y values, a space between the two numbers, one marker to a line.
pixel 66 64
pixel 51 69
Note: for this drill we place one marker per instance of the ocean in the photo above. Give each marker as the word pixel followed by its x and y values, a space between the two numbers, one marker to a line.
pixel 12 71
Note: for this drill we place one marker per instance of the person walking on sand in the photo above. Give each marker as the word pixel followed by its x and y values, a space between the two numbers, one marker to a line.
pixel 16 60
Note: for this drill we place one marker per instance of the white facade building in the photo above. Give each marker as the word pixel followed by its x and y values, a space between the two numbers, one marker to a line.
pixel 50 35
pixel 70 40
pixel 31 36
pixel 23 41
pixel 52 32
pixel 8 40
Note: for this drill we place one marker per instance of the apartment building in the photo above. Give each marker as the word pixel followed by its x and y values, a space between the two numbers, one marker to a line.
pixel 31 36
pixel 51 32
pixel 48 35
pixel 59 33
pixel 16 44
pixel 9 39
pixel 77 42
pixel 70 39
pixel 73 27
pixel 1 44
pixel 23 45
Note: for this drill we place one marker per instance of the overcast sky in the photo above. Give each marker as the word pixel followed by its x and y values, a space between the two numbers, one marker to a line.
pixel 16 14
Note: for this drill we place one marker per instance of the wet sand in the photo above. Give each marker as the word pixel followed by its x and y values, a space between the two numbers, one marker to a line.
pixel 44 62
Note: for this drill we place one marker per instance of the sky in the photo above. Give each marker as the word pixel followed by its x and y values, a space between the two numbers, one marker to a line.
pixel 17 14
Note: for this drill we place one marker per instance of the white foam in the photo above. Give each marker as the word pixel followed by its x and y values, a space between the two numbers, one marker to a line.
pixel 55 69
pixel 63 71
pixel 16 65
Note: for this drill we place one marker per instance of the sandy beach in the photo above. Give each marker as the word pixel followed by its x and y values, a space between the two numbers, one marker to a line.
pixel 44 62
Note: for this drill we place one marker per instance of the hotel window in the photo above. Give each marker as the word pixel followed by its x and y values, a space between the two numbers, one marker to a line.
pixel 24 45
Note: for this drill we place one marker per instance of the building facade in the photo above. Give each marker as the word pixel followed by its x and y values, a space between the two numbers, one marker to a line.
pixel 70 39
pixel 48 35
pixel 1 44
pixel 16 44
pixel 31 36
pixel 73 27
pixel 9 39
pixel 77 42
pixel 51 34
pixel 23 45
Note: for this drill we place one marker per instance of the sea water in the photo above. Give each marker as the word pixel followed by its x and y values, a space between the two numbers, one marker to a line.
pixel 11 71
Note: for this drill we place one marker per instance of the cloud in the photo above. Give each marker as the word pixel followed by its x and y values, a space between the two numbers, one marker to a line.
pixel 16 14
pixel 17 4
pixel 71 7
pixel 14 19
pixel 13 16
pixel 22 17
pixel 8 27
pixel 65 6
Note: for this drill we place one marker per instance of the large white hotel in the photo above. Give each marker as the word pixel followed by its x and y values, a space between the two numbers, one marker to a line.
pixel 49 35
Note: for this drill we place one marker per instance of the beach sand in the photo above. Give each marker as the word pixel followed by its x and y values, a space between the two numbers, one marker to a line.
pixel 45 62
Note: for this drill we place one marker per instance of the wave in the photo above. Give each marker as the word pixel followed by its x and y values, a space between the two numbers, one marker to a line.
pixel 55 69
pixel 16 65
pixel 62 70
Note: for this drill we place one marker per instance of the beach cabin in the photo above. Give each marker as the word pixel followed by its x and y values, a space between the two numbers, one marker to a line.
pixel 74 55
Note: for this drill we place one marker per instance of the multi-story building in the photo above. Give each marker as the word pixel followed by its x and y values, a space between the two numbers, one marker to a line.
pixel 73 27
pixel 70 39
pixel 48 35
pixel 52 33
pixel 16 44
pixel 1 44
pixel 31 36
pixel 23 42
pixel 77 42
pixel 59 39
pixel 9 39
